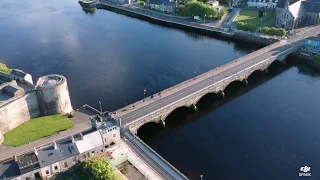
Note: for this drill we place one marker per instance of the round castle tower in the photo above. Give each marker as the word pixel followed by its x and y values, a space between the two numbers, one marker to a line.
pixel 53 95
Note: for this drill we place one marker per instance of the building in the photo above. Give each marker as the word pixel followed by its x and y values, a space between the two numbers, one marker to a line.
pixel 9 169
pixel 89 146
pixel 21 76
pixel 110 134
pixel 291 14
pixel 262 3
pixel 213 3
pixel 164 6
pixel 107 126
pixel 29 166
pixel 9 89
pixel 13 91
pixel 57 157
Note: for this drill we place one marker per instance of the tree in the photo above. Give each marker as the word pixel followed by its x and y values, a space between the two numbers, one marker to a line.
pixel 260 13
pixel 141 3
pixel 100 169
pixel 200 9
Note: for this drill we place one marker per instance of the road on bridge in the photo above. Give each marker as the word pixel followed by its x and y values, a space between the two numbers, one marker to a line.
pixel 237 66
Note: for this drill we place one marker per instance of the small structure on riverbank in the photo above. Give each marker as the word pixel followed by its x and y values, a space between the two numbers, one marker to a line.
pixel 310 52
pixel 164 6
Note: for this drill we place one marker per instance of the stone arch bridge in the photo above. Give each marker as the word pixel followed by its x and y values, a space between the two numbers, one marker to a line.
pixel 215 81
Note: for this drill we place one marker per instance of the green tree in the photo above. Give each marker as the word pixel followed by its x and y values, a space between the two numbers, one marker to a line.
pixel 200 9
pixel 100 169
pixel 141 3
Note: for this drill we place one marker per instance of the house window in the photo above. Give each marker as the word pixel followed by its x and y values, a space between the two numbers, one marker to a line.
pixel 88 154
pixel 102 150
pixel 92 153
pixel 114 135
pixel 106 146
pixel 56 168
pixel 105 139
pixel 27 178
pixel 83 156
pixel 47 172
pixel 112 143
pixel 65 164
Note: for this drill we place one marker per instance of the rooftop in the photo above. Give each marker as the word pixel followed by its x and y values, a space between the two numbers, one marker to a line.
pixel 313 7
pixel 9 169
pixel 50 155
pixel 27 163
pixel 89 141
pixel 282 3
pixel 18 73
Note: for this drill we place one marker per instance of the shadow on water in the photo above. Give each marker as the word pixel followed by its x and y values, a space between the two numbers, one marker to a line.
pixel 90 11
pixel 182 116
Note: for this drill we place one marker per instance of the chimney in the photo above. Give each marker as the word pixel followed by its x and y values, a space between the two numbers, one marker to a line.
pixel 35 151
pixel 15 158
pixel 55 145
pixel 81 136
pixel 72 138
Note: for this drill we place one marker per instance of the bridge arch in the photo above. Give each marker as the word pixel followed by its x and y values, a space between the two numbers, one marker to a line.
pixel 175 110
pixel 256 73
pixel 205 96
pixel 233 87
pixel 148 129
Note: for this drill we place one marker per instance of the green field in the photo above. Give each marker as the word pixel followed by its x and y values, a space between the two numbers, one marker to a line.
pixel 252 17
pixel 38 128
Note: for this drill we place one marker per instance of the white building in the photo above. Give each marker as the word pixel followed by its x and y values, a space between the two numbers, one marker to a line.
pixel 262 3
pixel 89 146
pixel 293 13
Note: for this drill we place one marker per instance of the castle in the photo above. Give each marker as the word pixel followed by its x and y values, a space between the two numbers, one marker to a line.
pixel 21 100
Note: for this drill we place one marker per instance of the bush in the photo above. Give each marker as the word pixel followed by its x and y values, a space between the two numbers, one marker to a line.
pixel 141 3
pixel 223 12
pixel 273 31
pixel 246 27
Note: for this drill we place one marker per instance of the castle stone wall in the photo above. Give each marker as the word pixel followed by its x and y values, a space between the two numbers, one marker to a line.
pixel 18 111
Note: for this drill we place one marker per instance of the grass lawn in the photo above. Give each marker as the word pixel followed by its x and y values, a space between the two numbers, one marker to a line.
pixel 252 17
pixel 4 69
pixel 38 128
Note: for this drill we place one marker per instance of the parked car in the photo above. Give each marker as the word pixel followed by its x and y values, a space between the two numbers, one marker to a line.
pixel 197 18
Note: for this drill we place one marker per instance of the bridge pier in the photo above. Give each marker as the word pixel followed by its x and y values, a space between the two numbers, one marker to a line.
pixel 221 93
pixel 245 82
pixel 193 107
pixel 162 123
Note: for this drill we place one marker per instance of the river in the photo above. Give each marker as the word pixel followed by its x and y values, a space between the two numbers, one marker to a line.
pixel 267 131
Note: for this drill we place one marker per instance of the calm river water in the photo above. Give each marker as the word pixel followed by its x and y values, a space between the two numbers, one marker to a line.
pixel 264 132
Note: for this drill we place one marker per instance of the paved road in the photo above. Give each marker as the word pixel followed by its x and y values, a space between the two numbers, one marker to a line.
pixel 161 16
pixel 233 68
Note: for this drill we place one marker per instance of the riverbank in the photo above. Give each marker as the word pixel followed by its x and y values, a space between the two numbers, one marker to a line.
pixel 183 23
pixel 310 59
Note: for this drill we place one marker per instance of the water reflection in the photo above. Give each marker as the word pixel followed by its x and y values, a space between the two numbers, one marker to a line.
pixel 90 11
